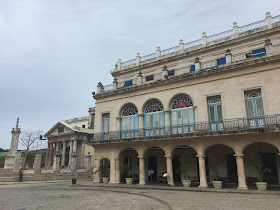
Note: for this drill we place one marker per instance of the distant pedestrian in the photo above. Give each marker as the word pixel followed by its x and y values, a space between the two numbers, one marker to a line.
pixel 20 175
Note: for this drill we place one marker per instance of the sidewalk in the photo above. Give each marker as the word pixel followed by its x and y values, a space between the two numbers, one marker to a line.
pixel 174 188
pixel 34 182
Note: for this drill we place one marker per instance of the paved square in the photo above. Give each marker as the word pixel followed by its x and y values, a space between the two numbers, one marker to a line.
pixel 63 196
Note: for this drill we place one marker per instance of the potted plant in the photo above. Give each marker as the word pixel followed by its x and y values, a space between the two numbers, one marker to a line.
pixel 128 172
pixel 214 171
pixel 258 165
pixel 183 170
pixel 105 171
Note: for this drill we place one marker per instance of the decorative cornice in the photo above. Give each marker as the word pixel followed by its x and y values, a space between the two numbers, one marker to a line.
pixel 192 75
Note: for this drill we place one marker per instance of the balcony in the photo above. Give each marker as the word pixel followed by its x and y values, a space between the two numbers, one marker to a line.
pixel 236 31
pixel 225 127
pixel 231 61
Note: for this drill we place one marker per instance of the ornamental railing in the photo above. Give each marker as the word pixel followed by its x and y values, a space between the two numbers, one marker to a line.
pixel 229 33
pixel 252 26
pixel 169 50
pixel 227 126
pixel 108 87
pixel 220 35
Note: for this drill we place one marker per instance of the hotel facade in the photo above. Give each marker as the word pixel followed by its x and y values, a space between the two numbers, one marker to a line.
pixel 216 97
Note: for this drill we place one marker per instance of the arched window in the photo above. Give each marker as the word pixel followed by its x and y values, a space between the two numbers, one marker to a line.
pixel 129 121
pixel 154 119
pixel 254 108
pixel 182 115
pixel 215 113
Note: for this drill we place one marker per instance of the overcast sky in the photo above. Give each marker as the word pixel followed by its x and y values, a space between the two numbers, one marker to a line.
pixel 54 52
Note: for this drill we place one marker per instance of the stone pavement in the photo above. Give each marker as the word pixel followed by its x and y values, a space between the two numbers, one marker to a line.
pixel 60 195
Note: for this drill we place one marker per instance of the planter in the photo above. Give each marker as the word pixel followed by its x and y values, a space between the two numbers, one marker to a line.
pixel 105 180
pixel 128 180
pixel 217 184
pixel 261 185
pixel 187 183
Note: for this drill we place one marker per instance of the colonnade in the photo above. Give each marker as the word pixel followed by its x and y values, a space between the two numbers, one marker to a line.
pixel 53 154
pixel 115 172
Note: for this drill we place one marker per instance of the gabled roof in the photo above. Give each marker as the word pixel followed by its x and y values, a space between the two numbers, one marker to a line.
pixel 58 124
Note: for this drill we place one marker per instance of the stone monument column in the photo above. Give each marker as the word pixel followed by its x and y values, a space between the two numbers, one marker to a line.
pixel 10 158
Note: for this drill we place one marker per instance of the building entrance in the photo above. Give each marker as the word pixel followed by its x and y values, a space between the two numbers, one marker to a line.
pixel 152 166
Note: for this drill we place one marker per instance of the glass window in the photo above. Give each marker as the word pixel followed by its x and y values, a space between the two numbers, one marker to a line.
pixel 215 113
pixel 129 121
pixel 149 78
pixel 192 68
pixel 221 61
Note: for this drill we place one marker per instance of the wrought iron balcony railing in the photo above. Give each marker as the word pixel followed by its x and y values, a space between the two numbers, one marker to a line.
pixel 228 126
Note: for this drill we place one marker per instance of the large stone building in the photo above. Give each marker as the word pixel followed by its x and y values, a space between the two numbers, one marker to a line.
pixel 217 96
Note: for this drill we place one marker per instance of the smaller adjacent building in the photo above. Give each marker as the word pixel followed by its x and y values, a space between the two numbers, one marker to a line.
pixel 67 149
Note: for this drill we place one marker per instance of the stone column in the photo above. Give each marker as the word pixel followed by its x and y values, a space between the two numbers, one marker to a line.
pixel 70 154
pixel 88 161
pixel 268 47
pixel 169 170
pixel 118 170
pixel 142 177
pixel 75 146
pixel 202 171
pixel 241 172
pixel 164 72
pixel 47 156
pixel 56 161
pixel 204 39
pixel 50 155
pixel 10 158
pixel 37 163
pixel 63 154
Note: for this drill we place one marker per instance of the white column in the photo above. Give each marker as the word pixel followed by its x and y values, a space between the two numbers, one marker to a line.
pixel 202 171
pixel 197 64
pixel 241 172
pixel 169 168
pixel 142 177
pixel 228 56
pixel 118 171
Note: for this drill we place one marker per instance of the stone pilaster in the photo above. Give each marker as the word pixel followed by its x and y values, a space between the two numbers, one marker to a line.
pixel 73 162
pixel 56 161
pixel 88 161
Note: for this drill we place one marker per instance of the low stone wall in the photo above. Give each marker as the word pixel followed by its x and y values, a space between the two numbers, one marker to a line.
pixel 9 176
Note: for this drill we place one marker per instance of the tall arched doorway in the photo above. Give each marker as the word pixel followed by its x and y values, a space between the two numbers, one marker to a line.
pixel 270 160
pixel 184 163
pixel 155 165
pixel 129 160
pixel 223 158
pixel 104 170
